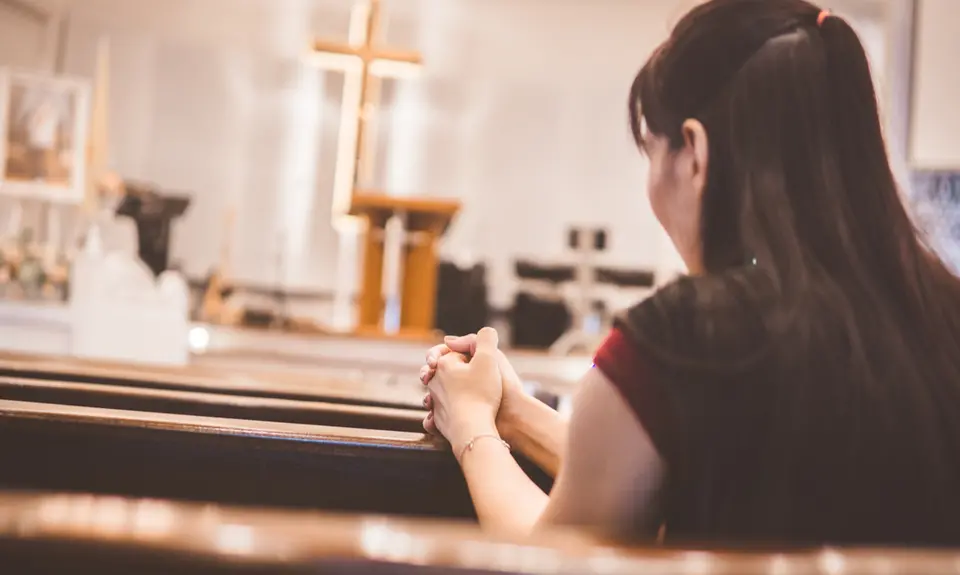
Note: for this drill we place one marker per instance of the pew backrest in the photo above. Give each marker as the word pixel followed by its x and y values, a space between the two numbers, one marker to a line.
pixel 211 404
pixel 184 457
pixel 70 532
pixel 319 386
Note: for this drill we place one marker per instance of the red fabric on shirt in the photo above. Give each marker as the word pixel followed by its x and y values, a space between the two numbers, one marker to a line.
pixel 620 362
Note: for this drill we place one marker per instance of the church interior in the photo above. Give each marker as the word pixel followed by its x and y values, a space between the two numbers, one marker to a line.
pixel 230 230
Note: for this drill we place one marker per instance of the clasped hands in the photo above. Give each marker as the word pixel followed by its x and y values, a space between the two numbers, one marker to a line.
pixel 470 386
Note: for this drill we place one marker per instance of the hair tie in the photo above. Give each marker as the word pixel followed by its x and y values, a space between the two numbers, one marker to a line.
pixel 824 14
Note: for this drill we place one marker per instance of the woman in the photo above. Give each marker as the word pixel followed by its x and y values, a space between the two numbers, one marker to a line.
pixel 802 385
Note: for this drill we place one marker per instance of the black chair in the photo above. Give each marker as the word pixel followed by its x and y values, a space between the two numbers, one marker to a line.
pixel 462 305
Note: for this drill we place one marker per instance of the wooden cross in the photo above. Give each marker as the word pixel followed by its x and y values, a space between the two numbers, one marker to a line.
pixel 361 61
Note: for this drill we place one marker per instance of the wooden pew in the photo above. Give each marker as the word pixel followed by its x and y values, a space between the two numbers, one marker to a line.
pixel 384 390
pixel 338 381
pixel 211 404
pixel 230 461
pixel 57 533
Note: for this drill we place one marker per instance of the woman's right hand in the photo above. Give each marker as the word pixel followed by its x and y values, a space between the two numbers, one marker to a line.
pixel 467 345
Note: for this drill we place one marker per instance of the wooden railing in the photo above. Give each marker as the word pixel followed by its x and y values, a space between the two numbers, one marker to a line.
pixel 79 533
pixel 230 461
pixel 320 387
pixel 206 404
pixel 371 382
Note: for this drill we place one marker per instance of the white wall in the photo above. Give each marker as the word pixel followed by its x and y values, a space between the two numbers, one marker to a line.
pixel 209 97
pixel 23 37
pixel 899 18
pixel 935 135
pixel 28 33
pixel 521 113
pixel 538 132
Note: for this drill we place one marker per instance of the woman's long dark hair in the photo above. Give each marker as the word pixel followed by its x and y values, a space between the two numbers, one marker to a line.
pixel 800 191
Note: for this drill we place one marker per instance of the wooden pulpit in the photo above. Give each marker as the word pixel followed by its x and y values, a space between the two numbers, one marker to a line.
pixel 424 222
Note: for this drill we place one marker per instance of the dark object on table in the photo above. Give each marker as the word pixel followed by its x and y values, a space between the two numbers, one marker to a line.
pixel 625 278
pixel 538 322
pixel 153 214
pixel 462 305
pixel 258 318
pixel 581 238
pixel 555 274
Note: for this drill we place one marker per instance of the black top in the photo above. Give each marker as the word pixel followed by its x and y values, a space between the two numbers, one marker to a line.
pixel 771 433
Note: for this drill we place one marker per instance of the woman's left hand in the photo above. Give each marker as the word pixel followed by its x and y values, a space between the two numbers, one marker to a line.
pixel 465 396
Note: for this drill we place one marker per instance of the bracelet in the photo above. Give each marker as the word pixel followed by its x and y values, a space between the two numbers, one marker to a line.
pixel 469 445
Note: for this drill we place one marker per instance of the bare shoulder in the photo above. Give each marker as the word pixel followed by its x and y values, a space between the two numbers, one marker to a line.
pixel 611 472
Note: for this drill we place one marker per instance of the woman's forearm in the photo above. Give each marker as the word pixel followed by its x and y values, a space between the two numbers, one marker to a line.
pixel 506 500
pixel 535 430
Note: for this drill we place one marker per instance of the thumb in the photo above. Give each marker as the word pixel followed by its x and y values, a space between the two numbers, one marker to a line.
pixel 486 348
pixel 465 344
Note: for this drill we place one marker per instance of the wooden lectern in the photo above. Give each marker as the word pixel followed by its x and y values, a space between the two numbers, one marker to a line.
pixel 425 220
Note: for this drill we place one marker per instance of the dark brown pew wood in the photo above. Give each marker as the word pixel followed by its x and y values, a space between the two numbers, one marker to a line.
pixel 82 449
pixel 58 533
pixel 211 404
pixel 198 379
pixel 260 463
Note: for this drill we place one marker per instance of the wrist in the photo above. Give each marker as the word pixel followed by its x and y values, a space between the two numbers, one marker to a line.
pixel 470 430
pixel 493 438
pixel 511 413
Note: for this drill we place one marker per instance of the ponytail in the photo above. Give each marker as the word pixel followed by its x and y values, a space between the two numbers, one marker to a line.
pixel 856 120
pixel 864 164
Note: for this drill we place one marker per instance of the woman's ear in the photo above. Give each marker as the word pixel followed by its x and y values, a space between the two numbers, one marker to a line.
pixel 696 143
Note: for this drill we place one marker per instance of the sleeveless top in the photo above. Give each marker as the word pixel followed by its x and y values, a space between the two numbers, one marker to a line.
pixel 767 434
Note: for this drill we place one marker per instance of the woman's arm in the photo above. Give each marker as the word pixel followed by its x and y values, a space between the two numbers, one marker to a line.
pixel 533 429
pixel 608 478
pixel 611 475
pixel 506 500
pixel 530 426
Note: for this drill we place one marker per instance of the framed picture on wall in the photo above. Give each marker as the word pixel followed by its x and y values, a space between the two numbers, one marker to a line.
pixel 44 122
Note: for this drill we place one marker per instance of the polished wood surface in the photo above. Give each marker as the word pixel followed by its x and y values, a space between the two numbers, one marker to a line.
pixel 421 269
pixel 347 380
pixel 385 392
pixel 426 214
pixel 70 448
pixel 425 219
pixel 234 347
pixel 372 305
pixel 211 404
pixel 44 532
pixel 230 461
